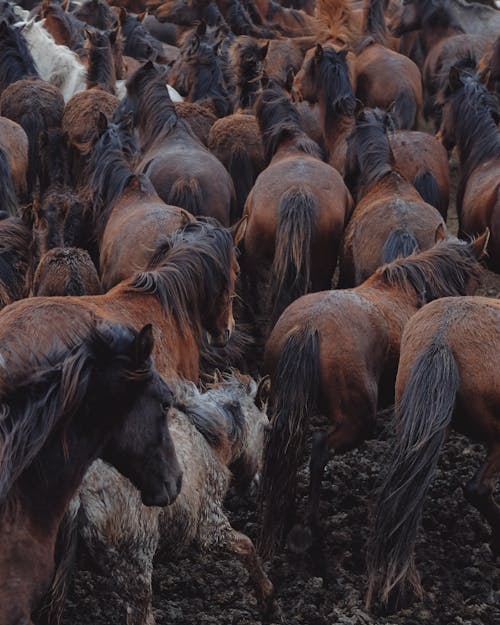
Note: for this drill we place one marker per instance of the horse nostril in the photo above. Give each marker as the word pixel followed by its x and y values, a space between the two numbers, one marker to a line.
pixel 178 484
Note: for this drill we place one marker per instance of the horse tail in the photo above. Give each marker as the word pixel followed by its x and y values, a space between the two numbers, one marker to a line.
pixel 291 268
pixel 8 197
pixel 186 193
pixel 405 110
pixel 426 184
pixel 241 169
pixel 399 243
pixel 32 124
pixel 295 393
pixel 423 414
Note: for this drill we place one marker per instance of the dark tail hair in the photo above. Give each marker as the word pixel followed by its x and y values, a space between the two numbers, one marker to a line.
pixel 422 416
pixel 8 197
pixel 295 392
pixel 405 111
pixel 290 272
pixel 241 169
pixel 32 124
pixel 427 186
pixel 399 244
pixel 186 193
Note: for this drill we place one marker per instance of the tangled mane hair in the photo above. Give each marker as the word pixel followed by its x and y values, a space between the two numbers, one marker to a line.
pixel 189 270
pixel 279 121
pixel 16 61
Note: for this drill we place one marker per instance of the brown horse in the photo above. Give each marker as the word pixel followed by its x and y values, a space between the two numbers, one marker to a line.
pixel 447 376
pixel 336 354
pixel 130 219
pixel 187 289
pixel 293 22
pixel 67 400
pixel 390 218
pixel 183 172
pixel 15 260
pixel 296 212
pixel 489 67
pixel 469 118
pixel 14 142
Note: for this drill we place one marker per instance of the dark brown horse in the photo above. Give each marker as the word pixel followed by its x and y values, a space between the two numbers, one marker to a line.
pixel 66 271
pixel 390 218
pixel 336 354
pixel 183 172
pixel 447 376
pixel 296 212
pixel 130 219
pixel 14 141
pixel 68 398
pixel 15 260
pixel 469 119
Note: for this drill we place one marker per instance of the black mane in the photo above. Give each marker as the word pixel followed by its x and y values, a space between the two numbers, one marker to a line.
pixel 16 62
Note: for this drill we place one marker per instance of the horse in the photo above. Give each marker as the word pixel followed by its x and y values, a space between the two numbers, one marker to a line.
pixel 64 27
pixel 217 434
pixel 390 218
pixel 14 143
pixel 489 67
pixel 66 402
pixel 183 172
pixel 296 212
pixel 473 18
pixel 130 219
pixel 102 69
pixel 16 61
pixel 186 290
pixel 336 354
pixel 15 260
pixel 446 378
pixel 56 64
pixel 65 271
pixel 469 117
pixel 292 21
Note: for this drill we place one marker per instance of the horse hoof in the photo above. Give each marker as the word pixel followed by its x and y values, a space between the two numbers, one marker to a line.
pixel 299 539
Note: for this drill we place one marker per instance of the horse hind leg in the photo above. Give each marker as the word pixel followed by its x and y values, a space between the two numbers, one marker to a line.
pixel 479 492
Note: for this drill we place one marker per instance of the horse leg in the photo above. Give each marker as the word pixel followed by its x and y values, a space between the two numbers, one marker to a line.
pixel 241 545
pixel 479 492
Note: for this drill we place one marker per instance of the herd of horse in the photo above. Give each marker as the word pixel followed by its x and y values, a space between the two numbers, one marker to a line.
pixel 224 243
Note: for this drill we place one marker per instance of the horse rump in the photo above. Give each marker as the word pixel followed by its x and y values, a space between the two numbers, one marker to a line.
pixel 186 193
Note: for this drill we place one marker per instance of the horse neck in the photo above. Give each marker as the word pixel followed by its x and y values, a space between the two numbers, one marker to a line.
pixel 155 126
pixel 375 161
pixel 101 69
pixel 480 144
pixel 432 34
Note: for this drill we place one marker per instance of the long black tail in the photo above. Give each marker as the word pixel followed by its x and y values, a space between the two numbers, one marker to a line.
pixel 423 414
pixel 426 184
pixel 32 124
pixel 8 197
pixel 295 391
pixel 399 243
pixel 186 193
pixel 405 111
pixel 291 269
pixel 242 170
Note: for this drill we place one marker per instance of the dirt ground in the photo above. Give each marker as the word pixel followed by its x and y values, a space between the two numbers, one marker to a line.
pixel 460 577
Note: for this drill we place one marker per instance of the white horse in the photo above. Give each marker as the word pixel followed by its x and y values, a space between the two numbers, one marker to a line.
pixel 56 64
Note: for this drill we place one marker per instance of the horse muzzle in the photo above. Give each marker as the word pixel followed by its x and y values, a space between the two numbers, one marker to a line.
pixel 163 496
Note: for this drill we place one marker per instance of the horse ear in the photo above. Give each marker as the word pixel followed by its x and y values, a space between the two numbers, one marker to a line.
pixel 454 79
pixel 142 16
pixel 238 230
pixel 65 5
pixel 263 392
pixel 440 233
pixel 263 50
pixel 478 247
pixel 143 344
pixel 359 107
pixel 318 55
pixel 121 14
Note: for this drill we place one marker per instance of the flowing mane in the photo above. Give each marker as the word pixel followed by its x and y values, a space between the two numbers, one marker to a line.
pixel 441 271
pixel 279 121
pixel 16 61
pixel 191 266
pixel 334 76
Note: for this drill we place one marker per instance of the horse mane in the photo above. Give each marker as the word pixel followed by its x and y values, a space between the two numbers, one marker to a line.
pixel 217 413
pixel 139 43
pixel 208 83
pixel 477 134
pixel 96 13
pixel 109 173
pixel 280 121
pixel 192 265
pixel 336 22
pixel 441 271
pixel 15 257
pixel 373 152
pixel 374 21
pixel 334 78
pixel 244 55
pixel 16 61
pixel 101 70
pixel 150 101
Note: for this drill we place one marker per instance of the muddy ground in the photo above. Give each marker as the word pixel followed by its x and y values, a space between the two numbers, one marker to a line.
pixel 460 577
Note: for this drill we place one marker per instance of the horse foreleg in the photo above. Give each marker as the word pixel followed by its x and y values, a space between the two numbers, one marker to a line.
pixel 479 492
pixel 241 545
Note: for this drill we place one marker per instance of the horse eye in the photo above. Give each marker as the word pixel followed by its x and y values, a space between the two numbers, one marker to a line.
pixel 166 407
